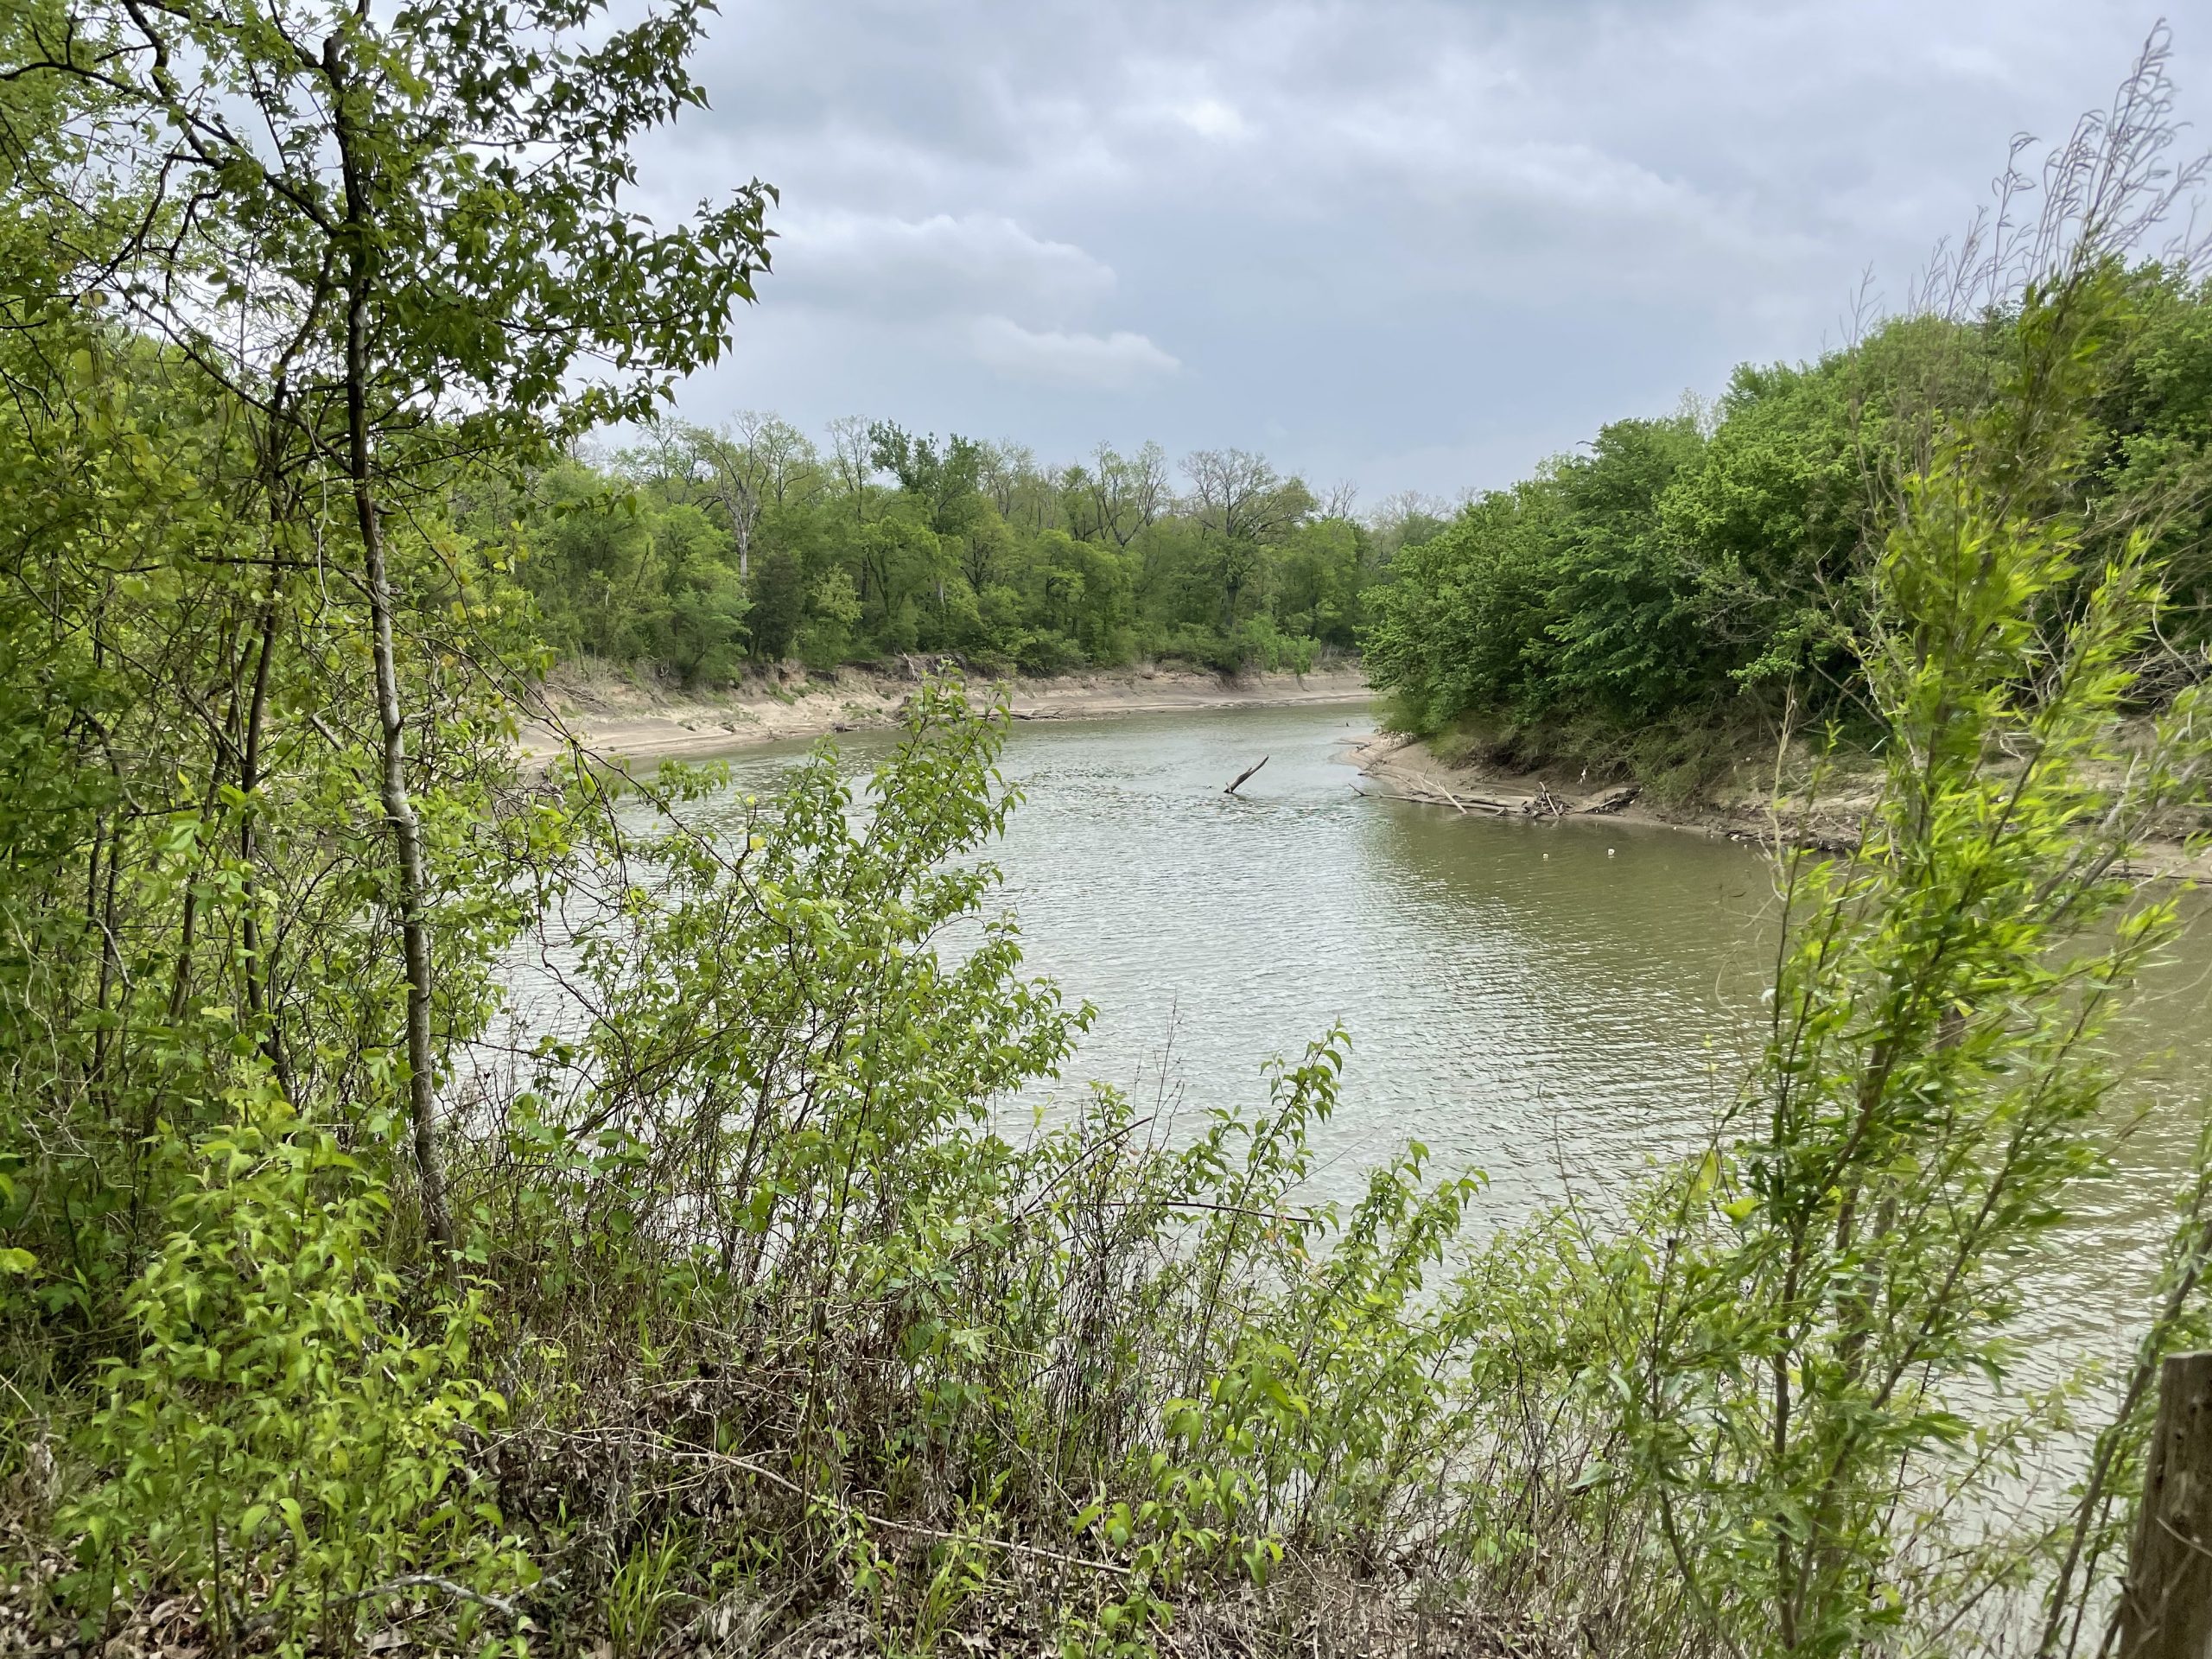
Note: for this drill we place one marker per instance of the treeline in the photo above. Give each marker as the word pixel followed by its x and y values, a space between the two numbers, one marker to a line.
pixel 702 551
pixel 1713 564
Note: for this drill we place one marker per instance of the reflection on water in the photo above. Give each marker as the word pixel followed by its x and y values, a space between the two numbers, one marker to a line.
pixel 1553 1004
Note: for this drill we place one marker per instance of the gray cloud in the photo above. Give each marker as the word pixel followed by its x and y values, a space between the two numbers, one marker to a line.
pixel 1413 242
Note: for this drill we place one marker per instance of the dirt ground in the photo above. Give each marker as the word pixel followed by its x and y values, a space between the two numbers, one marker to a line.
pixel 1738 806
pixel 615 717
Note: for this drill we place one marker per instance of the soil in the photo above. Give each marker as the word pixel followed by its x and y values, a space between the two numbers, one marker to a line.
pixel 1737 805
pixel 615 716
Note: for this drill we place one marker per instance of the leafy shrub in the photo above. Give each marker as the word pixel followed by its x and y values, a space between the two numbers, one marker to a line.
pixel 278 1440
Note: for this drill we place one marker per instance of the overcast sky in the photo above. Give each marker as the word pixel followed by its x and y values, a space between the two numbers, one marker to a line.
pixel 1408 243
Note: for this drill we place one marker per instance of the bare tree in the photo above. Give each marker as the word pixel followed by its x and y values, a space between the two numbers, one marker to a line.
pixel 789 465
pixel 1150 491
pixel 1240 495
pixel 1007 468
pixel 668 456
pixel 1394 511
pixel 734 475
pixel 1409 515
pixel 1119 495
pixel 756 460
pixel 852 459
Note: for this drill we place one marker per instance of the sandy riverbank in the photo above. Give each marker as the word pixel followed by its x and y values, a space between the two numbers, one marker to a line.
pixel 1738 807
pixel 617 718
pixel 1406 769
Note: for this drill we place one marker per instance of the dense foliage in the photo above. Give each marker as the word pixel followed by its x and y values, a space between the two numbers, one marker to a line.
pixel 1716 564
pixel 447 1205
pixel 702 552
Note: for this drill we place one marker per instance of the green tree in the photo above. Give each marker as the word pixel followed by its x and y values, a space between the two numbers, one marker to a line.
pixel 389 199
pixel 945 482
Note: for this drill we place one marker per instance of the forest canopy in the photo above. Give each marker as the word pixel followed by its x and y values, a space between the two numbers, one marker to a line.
pixel 1707 567
pixel 701 552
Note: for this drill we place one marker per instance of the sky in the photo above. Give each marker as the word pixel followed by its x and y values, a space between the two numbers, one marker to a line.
pixel 1411 244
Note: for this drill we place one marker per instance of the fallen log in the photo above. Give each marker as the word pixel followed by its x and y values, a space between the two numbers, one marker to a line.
pixel 1244 774
pixel 1437 795
pixel 1612 800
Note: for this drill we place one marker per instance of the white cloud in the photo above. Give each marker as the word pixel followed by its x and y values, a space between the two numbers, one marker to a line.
pixel 1212 118
pixel 941 262
pixel 1120 361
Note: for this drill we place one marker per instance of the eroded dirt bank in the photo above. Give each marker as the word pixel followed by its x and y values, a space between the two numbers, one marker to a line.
pixel 619 718
pixel 1739 804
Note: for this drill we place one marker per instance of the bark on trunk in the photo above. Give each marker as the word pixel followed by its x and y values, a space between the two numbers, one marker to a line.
pixel 2165 1608
pixel 407 842
pixel 398 804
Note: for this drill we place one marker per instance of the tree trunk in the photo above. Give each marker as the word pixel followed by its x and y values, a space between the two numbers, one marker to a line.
pixel 260 997
pixel 2166 1604
pixel 398 804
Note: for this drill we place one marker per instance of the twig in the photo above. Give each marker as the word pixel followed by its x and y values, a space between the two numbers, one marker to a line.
pixel 1307 1215
pixel 432 1581
pixel 850 1512
pixel 328 736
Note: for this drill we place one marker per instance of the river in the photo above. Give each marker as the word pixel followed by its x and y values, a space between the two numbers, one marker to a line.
pixel 1553 1004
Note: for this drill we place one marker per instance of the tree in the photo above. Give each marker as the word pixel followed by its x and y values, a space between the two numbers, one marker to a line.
pixel 1240 497
pixel 852 460
pixel 944 481
pixel 1120 496
pixel 395 237
pixel 738 475
pixel 756 461
pixel 1009 470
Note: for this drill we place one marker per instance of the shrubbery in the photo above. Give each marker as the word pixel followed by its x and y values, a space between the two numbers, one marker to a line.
pixel 276 1438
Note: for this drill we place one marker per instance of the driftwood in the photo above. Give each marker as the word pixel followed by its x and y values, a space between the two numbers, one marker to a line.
pixel 1432 791
pixel 1450 797
pixel 1440 796
pixel 1242 775
pixel 1799 841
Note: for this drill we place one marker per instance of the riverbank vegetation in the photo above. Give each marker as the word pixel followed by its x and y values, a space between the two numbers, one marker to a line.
pixel 700 554
pixel 444 1212
pixel 1680 588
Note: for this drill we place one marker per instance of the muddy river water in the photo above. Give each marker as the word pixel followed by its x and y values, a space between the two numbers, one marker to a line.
pixel 1552 1003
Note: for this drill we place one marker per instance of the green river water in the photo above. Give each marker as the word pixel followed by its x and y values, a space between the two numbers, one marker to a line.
pixel 1553 1004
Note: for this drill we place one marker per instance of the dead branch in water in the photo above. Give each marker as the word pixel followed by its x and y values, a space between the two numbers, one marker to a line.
pixel 1242 775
